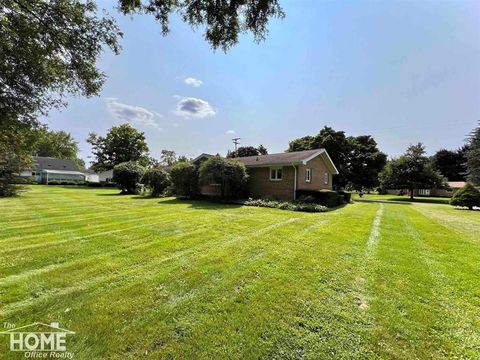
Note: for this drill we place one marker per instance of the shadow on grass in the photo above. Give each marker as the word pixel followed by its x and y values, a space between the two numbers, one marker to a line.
pixel 200 203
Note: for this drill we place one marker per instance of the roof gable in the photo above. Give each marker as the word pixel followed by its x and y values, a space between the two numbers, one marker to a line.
pixel 288 158
pixel 50 163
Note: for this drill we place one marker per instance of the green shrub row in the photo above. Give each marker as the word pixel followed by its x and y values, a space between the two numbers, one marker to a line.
pixel 284 205
pixel 328 198
pixel 66 182
pixel 102 184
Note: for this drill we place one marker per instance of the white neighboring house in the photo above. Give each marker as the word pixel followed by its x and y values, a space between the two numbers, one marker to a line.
pixel 48 168
pixel 105 176
pixel 91 176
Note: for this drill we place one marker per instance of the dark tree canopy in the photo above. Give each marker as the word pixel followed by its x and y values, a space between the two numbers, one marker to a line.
pixel 473 157
pixel 451 163
pixel 223 20
pixel 244 151
pixel 123 143
pixel 337 146
pixel 413 170
pixel 49 49
pixel 365 162
pixel 357 158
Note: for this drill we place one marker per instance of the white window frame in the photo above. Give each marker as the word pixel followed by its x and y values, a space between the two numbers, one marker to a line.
pixel 274 170
pixel 308 175
pixel 424 192
pixel 326 178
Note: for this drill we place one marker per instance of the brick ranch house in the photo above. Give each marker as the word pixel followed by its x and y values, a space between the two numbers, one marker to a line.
pixel 280 175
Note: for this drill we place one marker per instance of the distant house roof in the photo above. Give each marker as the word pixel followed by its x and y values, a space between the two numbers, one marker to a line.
pixel 49 163
pixel 456 184
pixel 288 158
pixel 202 156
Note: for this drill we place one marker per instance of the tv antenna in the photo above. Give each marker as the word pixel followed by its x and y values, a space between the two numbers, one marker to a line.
pixel 236 142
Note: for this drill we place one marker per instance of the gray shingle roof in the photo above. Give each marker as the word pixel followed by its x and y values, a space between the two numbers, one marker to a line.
pixel 49 163
pixel 278 159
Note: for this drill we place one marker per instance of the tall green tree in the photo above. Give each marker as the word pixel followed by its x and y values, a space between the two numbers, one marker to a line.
pixel 48 49
pixel 413 170
pixel 357 159
pixel 451 163
pixel 365 161
pixel 337 146
pixel 473 157
pixel 122 144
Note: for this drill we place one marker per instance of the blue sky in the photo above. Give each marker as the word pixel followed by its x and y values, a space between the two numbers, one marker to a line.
pixel 402 71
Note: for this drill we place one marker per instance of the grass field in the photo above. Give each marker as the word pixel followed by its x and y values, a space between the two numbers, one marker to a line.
pixel 160 278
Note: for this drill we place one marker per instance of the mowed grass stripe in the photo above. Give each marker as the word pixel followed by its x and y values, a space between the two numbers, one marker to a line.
pixel 201 278
pixel 405 305
pixel 85 244
pixel 139 267
pixel 143 244
pixel 454 258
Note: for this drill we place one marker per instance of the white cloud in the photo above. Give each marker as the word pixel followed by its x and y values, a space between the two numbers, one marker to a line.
pixel 193 107
pixel 175 124
pixel 193 82
pixel 132 113
pixel 230 132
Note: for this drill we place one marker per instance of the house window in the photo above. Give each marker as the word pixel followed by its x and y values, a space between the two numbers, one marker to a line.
pixel 308 175
pixel 424 192
pixel 325 178
pixel 276 174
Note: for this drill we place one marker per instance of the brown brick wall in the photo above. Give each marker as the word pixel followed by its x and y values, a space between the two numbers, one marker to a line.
pixel 260 185
pixel 318 169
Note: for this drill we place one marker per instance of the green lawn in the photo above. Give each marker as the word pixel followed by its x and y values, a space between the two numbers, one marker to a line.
pixel 161 278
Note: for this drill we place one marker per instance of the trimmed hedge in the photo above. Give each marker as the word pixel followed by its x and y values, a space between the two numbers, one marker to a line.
pixel 328 198
pixel 66 182
pixel 102 184
pixel 284 205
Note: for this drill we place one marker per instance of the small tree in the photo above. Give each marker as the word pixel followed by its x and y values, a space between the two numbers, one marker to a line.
pixel 229 173
pixel 473 157
pixel 413 170
pixel 157 180
pixel 128 175
pixel 184 177
pixel 467 196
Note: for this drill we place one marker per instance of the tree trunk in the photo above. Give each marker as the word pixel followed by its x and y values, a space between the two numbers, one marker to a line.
pixel 411 194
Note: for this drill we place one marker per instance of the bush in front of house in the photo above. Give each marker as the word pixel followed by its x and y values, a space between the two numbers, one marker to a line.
pixel 328 198
pixel 127 176
pixel 184 177
pixel 66 182
pixel 468 196
pixel 284 205
pixel 156 180
pixel 229 173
